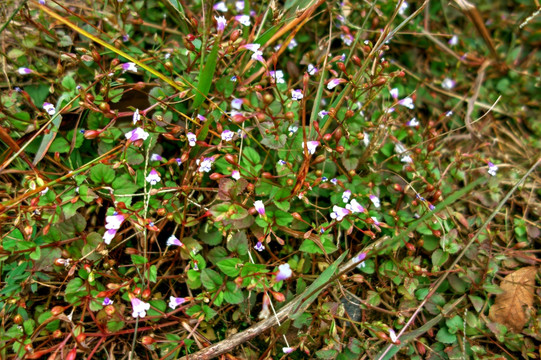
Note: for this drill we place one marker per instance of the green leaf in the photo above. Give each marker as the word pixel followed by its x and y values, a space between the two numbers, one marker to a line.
pixel 439 257
pixel 210 279
pixel 207 75
pixel 252 155
pixel 86 194
pixel 230 266
pixel 445 337
pixel 238 243
pixel 75 290
pixel 233 295
pixel 102 174
pixel 138 259
pixel 194 279
pixel 477 302
pixel 310 247
pixel 283 218
pixel 114 326
pixel 36 254
pixel 454 324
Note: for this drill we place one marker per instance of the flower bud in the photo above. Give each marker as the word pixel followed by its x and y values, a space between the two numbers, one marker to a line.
pixel 340 149
pixel 267 175
pixel 398 187
pixel 327 137
pixel 297 216
pixel 380 81
pixel 278 296
pixel 230 159
pixel 235 35
pixel 57 310
pixel 338 133
pixel 356 60
pixel 72 355
pixel 342 67
pixel 146 294
pixel 215 176
pixel 91 134
pixel 289 115
pixel 110 310
pixel 57 334
pixel 131 251
pixel 18 319
pixel 147 340
pixel 318 159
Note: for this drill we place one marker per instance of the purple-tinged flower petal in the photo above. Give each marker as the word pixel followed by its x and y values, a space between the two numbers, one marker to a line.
pixel 296 94
pixel 284 272
pixel 107 301
pixel 136 134
pixel 153 177
pixel 24 71
pixel 259 246
pixel 338 213
pixel 174 241
pixel 312 70
pixel 235 174
pixel 191 139
pixel 136 116
pixel 260 207
pixel 176 301
pixel 139 308
pixel 492 169
pixel 375 201
pixel 49 108
pixel 394 93
pixel 312 146
pixel 355 207
pixel 220 23
pixel 243 19
pixel 109 235
pixel 206 164
pixel 220 6
pixel 346 195
pixel 156 157
pixel 237 104
pixel 129 66
pixel 227 135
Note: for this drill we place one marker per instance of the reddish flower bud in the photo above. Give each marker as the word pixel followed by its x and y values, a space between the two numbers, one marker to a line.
pixel 338 133
pixel 397 187
pixel 410 246
pixel 18 319
pixel 356 60
pixel 147 340
pixel 57 310
pixel 215 176
pixel 146 294
pixel 267 175
pixel 327 137
pixel 72 355
pixel 91 134
pixel 318 159
pixel 231 159
pixel 57 334
pixel 289 115
pixel 340 149
pixel 278 296
pixel 342 67
pixel 235 35
pixel 131 251
pixel 297 216
pixel 436 233
pixel 380 81
pixel 110 310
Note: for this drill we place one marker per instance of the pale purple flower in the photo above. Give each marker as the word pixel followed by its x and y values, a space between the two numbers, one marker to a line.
pixel 220 6
pixel 375 201
pixel 284 272
pixel 334 181
pixel 179 161
pixel 153 177
pixel 42 2
pixel 139 308
pixel 220 23
pixel 49 108
pixel 334 83
pixel 277 76
pixel 394 93
pixel 24 71
pixel 343 57
pixel 109 235
pixel 243 19
pixel 393 336
pixel 191 138
pixel 413 122
pixel 259 246
pixel 260 207
pixel 347 39
pixel 448 84
pixel 227 135
pixel 449 113
pixel 292 44
pixel 407 102
pixel 114 221
pixel 311 146
pixel 312 70
pixel 360 259
pixel 239 5
pixel 201 118
pixel 107 301
pixel 322 113
pixel 288 350
pixel 346 195
pixel 292 129
pixel 282 162
pixel 136 116
pixel 492 169
pixel 251 47
pixel 205 165
pixel 156 157
pixel 176 301
pixel 233 78
pixel 355 207
pixel 296 94
pixel 125 37
pixel 403 8
pixel 338 213
pixel 136 134
pixel 431 207
pixel 376 222
pixel 258 56
pixel 129 66
pixel 235 174
pixel 236 103
pixel 453 41
pixel 324 179
pixel 173 240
